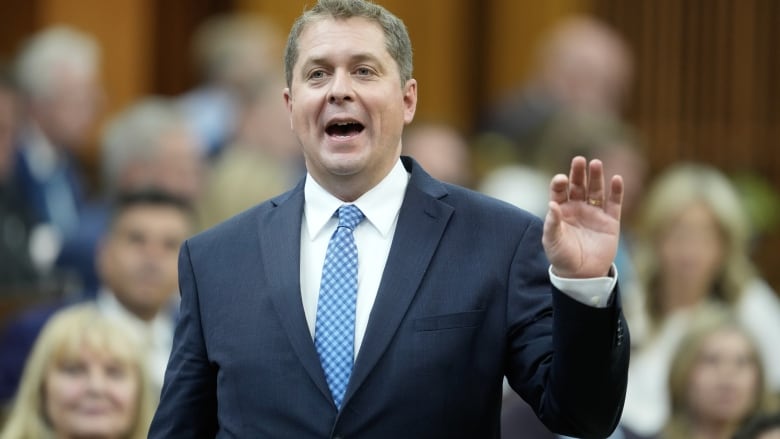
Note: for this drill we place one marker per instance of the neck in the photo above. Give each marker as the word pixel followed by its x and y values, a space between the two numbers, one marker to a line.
pixel 680 295
pixel 146 314
pixel 712 430
pixel 349 188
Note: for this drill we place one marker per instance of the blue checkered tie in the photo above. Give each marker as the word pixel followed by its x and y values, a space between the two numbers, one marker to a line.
pixel 334 331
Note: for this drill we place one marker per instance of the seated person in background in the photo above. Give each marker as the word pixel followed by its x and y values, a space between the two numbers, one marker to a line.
pixel 85 378
pixel 151 145
pixel 137 265
pixel 147 145
pixel 582 64
pixel 442 150
pixel 58 74
pixel 17 272
pixel 766 426
pixel 260 162
pixel 233 52
pixel 693 236
pixel 716 380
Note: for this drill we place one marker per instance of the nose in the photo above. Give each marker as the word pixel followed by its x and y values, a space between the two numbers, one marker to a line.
pixel 96 381
pixel 340 88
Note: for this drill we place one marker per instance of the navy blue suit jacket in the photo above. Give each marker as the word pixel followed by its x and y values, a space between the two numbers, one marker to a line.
pixel 465 298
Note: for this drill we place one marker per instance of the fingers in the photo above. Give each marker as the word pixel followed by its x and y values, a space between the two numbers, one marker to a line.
pixel 615 198
pixel 595 186
pixel 586 183
pixel 559 189
pixel 552 224
pixel 578 187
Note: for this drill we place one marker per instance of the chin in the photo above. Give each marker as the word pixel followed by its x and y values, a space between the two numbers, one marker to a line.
pixel 344 164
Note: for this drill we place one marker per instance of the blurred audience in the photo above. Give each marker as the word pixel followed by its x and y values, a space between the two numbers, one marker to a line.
pixel 441 150
pixel 582 65
pixel 85 378
pixel 692 251
pixel 765 426
pixel 150 144
pixel 263 160
pixel 57 73
pixel 716 380
pixel 137 262
pixel 147 145
pixel 518 421
pixel 233 52
pixel 524 186
pixel 17 272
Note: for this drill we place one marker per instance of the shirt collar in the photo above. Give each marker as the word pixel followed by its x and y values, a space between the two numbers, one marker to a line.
pixel 160 326
pixel 380 205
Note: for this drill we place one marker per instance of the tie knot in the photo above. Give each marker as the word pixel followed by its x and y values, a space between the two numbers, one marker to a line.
pixel 350 216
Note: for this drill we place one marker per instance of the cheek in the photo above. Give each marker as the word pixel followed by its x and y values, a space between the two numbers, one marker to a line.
pixel 700 385
pixel 61 391
pixel 126 394
pixel 58 395
pixel 748 380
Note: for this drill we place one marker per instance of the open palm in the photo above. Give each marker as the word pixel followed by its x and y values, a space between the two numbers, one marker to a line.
pixel 582 226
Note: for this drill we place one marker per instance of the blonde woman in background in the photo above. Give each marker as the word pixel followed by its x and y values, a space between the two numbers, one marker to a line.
pixel 85 378
pixel 694 236
pixel 716 381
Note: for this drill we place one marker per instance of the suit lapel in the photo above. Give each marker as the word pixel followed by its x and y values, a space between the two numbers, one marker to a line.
pixel 421 223
pixel 280 237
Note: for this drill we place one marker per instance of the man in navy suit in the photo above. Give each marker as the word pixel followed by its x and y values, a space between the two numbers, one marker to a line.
pixel 455 290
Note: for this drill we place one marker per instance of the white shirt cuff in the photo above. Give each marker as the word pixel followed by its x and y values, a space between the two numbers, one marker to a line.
pixel 593 292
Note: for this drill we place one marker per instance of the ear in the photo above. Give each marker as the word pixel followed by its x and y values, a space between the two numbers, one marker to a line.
pixel 288 103
pixel 410 100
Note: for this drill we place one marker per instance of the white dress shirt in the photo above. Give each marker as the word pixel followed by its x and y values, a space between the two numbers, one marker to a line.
pixel 155 336
pixel 373 237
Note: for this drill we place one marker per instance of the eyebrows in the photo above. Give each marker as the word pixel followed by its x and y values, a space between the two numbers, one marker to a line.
pixel 329 61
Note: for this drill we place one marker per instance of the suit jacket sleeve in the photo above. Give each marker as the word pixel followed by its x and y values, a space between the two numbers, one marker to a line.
pixel 569 361
pixel 188 404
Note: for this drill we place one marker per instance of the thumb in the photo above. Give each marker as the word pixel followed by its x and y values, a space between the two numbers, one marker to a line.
pixel 552 224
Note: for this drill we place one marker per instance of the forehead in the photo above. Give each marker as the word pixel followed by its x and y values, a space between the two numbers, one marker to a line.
pixel 727 339
pixel 96 346
pixel 143 216
pixel 329 37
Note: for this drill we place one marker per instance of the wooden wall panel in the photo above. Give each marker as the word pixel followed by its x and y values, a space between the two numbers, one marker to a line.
pixel 511 30
pixel 707 87
pixel 123 28
pixel 173 23
pixel 16 22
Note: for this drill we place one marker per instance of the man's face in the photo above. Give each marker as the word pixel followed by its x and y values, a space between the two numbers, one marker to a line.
pixel 138 260
pixel 347 106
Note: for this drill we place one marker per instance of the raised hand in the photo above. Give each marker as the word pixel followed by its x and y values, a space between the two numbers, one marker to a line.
pixel 582 226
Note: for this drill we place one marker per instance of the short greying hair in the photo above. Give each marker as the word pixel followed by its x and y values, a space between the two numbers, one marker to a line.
pixel 43 55
pixel 396 36
pixel 134 136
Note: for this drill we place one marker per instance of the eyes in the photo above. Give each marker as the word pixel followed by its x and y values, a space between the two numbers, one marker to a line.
pixel 78 369
pixel 361 72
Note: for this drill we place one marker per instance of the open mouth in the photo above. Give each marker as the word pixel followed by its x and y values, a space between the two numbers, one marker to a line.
pixel 344 129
